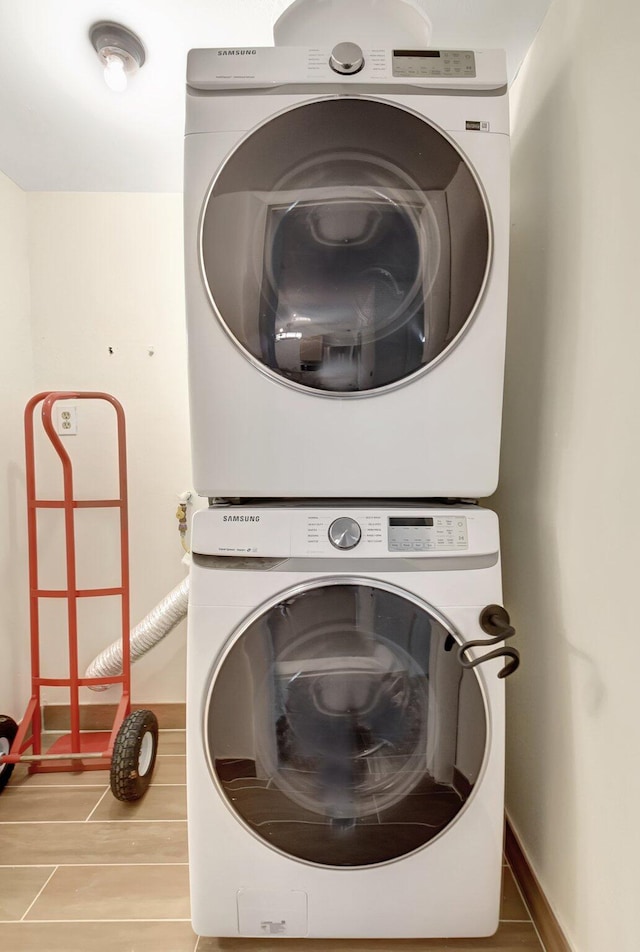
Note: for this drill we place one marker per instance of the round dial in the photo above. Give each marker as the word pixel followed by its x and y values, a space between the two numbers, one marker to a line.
pixel 346 58
pixel 344 533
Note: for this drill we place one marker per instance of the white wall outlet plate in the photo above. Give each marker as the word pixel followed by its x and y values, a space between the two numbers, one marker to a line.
pixel 67 420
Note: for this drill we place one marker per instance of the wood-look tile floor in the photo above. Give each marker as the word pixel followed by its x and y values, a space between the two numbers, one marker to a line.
pixel 80 871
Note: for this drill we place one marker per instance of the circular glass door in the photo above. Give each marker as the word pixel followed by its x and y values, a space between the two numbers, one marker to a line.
pixel 340 726
pixel 345 244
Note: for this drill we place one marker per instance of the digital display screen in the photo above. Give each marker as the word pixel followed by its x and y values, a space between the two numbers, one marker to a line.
pixel 424 54
pixel 402 521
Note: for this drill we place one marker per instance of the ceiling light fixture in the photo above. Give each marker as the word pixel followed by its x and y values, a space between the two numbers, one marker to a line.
pixel 120 52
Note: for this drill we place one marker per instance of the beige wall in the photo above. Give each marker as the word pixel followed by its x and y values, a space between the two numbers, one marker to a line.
pixel 107 272
pixel 571 468
pixel 80 274
pixel 16 385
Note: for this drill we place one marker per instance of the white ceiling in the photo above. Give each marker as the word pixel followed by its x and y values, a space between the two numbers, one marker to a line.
pixel 62 129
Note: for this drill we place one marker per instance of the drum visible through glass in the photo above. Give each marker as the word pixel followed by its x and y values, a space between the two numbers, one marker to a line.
pixel 345 244
pixel 362 736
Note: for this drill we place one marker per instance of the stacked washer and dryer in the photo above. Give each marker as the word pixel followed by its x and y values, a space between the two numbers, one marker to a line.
pixel 346 231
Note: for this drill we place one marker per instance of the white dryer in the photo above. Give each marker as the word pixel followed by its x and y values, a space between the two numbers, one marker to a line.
pixel 345 756
pixel 346 241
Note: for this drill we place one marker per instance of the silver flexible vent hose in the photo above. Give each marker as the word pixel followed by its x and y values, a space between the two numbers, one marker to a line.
pixel 153 628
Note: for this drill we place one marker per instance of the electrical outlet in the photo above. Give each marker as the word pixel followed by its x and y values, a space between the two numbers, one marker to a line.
pixel 67 424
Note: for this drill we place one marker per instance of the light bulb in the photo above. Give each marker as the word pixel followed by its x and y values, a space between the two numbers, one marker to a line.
pixel 114 74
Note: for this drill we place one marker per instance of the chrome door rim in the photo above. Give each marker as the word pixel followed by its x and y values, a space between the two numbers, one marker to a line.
pixel 410 378
pixel 292 592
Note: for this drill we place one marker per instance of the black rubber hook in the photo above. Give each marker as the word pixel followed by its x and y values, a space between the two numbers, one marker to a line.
pixel 494 619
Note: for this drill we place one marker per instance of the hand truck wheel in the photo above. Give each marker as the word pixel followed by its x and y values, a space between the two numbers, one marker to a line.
pixel 134 755
pixel 8 731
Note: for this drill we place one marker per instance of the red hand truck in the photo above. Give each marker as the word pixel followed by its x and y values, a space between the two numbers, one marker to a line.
pixel 129 749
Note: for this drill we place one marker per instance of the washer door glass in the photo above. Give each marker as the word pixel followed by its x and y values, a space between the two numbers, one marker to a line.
pixel 341 728
pixel 345 244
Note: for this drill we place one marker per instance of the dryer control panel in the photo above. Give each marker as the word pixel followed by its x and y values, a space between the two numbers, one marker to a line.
pixel 263 67
pixel 341 532
pixel 429 64
pixel 427 533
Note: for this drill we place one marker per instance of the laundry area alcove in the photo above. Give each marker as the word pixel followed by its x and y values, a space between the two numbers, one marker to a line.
pixel 92 298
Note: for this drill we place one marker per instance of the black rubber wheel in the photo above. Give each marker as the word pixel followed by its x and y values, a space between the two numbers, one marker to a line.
pixel 134 755
pixel 8 731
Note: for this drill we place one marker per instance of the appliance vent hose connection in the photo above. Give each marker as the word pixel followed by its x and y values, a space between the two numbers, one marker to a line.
pixel 153 628
pixel 181 516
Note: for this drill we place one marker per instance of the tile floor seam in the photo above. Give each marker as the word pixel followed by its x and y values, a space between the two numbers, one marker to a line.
pixel 134 819
pixel 87 865
pixel 507 876
pixel 162 731
pixel 532 920
pixel 40 922
pixel 91 812
pixel 22 788
pixel 32 903
pixel 27 865
pixel 61 822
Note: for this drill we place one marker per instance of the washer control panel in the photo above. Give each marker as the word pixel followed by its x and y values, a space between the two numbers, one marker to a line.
pixel 433 64
pixel 378 533
pixel 358 532
pixel 426 533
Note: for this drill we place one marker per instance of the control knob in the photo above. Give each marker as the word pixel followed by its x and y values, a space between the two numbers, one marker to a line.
pixel 344 533
pixel 346 58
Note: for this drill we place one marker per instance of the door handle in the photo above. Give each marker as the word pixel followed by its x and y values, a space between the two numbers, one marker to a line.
pixel 495 621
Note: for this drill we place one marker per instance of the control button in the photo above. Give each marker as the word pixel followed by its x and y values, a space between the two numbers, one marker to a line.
pixel 346 58
pixel 344 533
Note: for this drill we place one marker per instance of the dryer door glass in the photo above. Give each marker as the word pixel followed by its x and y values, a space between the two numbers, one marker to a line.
pixel 345 245
pixel 341 728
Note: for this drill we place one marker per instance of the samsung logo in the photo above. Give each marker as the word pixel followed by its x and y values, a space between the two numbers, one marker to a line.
pixel 236 52
pixel 241 518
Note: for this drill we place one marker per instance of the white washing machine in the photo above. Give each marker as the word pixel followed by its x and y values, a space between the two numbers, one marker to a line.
pixel 344 755
pixel 346 232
